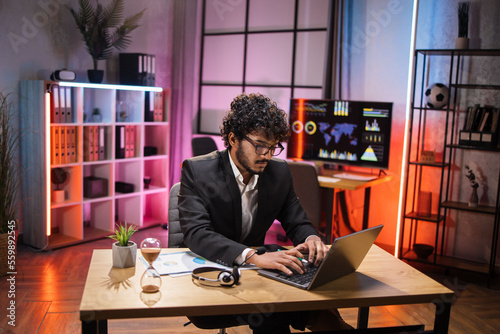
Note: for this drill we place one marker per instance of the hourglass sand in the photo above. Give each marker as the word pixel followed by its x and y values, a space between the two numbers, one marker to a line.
pixel 151 279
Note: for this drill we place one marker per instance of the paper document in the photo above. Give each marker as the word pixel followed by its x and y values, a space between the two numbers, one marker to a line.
pixel 356 177
pixel 183 263
pixel 328 179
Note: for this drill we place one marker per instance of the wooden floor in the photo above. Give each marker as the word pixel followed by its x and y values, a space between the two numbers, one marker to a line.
pixel 49 287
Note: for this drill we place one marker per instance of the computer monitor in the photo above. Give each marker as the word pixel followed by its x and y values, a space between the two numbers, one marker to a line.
pixel 356 133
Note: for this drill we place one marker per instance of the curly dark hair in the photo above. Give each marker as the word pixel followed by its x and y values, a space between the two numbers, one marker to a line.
pixel 255 112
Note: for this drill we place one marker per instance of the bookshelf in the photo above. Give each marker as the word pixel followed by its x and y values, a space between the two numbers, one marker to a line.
pixel 465 129
pixel 105 140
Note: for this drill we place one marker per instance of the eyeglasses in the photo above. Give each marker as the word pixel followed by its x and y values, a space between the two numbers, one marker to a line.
pixel 263 150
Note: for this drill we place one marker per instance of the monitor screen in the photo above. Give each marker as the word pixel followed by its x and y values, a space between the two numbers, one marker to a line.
pixel 356 133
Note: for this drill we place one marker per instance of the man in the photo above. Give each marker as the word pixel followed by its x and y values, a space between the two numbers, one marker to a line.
pixel 229 199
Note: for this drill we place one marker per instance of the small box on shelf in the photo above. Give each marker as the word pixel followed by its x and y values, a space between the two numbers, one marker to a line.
pixel 94 187
pixel 479 139
pixel 124 187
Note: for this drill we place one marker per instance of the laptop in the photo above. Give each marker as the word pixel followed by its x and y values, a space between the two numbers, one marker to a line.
pixel 344 257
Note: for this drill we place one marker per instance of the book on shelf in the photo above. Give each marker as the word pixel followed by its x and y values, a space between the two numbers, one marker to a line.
pixel 149 105
pixel 72 142
pixel 480 127
pixel 101 137
pixel 69 110
pixel 120 142
pixel 54 105
pixel 158 109
pixel 54 138
pixel 61 104
pixel 63 144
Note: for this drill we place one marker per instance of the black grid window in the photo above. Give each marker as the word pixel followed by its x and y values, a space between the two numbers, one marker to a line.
pixel 273 47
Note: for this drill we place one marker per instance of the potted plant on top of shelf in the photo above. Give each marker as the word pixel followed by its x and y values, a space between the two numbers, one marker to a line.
pixel 124 250
pixel 473 199
pixel 9 183
pixel 102 30
pixel 462 41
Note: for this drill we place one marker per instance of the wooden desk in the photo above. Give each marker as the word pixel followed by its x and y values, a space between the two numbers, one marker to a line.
pixel 346 184
pixel 112 293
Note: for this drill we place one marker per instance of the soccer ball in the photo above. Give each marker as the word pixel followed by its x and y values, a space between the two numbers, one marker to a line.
pixel 436 95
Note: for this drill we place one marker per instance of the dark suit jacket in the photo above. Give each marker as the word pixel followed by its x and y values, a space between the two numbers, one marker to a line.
pixel 210 207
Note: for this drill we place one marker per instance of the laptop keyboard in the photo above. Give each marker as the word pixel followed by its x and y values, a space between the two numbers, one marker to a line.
pixel 304 278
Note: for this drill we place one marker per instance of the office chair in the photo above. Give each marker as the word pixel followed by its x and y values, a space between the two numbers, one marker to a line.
pixel 175 240
pixel 306 185
pixel 175 236
pixel 203 145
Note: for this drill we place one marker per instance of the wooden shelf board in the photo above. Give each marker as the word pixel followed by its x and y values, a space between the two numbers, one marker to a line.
pixel 152 221
pixel 465 207
pixel 432 218
pixel 478 148
pixel 58 240
pixel 469 52
pixel 90 233
pixel 449 262
pixel 438 164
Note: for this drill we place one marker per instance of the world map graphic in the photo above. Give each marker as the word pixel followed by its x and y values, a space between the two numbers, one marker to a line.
pixel 337 131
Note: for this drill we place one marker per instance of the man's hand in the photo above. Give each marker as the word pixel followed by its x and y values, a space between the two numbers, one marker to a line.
pixel 316 249
pixel 282 260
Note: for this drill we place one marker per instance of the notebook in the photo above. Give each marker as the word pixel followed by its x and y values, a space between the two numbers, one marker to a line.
pixel 344 257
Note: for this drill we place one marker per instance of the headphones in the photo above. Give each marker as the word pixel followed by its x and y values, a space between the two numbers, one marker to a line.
pixel 226 278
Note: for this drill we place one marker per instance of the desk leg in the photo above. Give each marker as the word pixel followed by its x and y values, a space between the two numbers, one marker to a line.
pixel 95 327
pixel 363 313
pixel 366 208
pixel 442 319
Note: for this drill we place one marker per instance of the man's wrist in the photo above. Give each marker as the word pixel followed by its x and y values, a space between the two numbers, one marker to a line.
pixel 312 235
pixel 240 260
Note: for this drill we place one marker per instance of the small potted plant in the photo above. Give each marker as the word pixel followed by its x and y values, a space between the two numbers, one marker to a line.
pixel 473 199
pixel 124 250
pixel 102 30
pixel 462 41
pixel 58 176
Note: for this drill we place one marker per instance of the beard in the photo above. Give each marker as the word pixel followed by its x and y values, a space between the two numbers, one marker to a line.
pixel 250 167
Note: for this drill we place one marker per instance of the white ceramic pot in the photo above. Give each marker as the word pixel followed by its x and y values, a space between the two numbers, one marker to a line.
pixel 58 196
pixel 124 256
pixel 461 43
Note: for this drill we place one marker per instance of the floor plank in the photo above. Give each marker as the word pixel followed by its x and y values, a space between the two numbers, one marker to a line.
pixel 55 323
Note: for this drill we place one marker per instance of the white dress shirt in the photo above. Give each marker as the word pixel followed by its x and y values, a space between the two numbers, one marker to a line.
pixel 249 195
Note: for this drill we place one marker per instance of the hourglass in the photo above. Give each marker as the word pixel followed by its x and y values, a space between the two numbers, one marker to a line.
pixel 151 279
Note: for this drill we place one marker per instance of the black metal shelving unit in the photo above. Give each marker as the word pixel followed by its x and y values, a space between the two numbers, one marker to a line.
pixel 449 145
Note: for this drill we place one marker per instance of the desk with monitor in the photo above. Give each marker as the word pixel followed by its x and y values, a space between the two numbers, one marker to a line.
pixel 345 133
pixel 112 293
pixel 334 185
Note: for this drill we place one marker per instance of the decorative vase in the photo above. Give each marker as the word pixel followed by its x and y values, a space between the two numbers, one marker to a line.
pixel 461 43
pixel 58 196
pixel 95 76
pixel 473 199
pixel 124 256
pixel 96 116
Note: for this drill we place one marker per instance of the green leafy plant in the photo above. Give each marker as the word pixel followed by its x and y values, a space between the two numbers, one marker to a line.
pixel 471 176
pixel 123 233
pixel 463 19
pixel 101 27
pixel 9 168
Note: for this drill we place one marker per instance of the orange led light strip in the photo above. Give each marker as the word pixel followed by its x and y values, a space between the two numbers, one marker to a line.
pixel 47 162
